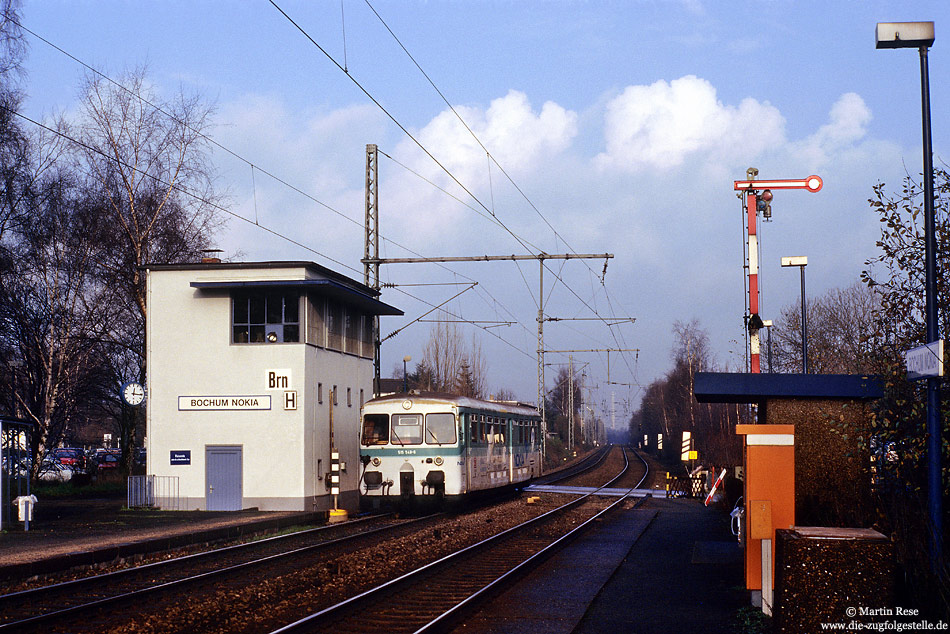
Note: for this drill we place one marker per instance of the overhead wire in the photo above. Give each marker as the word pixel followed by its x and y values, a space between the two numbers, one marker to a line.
pixel 398 124
pixel 493 216
pixel 490 156
pixel 218 207
pixel 254 167
pixel 418 143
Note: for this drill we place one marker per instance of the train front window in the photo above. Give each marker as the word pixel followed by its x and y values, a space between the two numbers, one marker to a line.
pixel 440 429
pixel 407 429
pixel 375 429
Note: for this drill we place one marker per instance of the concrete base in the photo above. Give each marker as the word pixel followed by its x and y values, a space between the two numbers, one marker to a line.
pixel 338 515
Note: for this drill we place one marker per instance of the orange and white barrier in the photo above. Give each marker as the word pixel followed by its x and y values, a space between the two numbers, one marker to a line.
pixel 715 486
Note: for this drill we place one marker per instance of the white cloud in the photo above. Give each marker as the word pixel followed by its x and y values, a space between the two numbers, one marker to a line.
pixel 665 124
pixel 515 134
pixel 847 126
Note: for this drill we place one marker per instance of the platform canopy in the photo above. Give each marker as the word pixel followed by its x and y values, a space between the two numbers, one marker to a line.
pixel 731 387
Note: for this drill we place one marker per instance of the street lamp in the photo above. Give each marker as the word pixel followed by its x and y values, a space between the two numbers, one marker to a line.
pixel 920 35
pixel 801 262
pixel 405 377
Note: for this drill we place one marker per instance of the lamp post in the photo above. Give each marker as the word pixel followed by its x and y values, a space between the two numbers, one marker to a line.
pixel 801 262
pixel 920 35
pixel 405 377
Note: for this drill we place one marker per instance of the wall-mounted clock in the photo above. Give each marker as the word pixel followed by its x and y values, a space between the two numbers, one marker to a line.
pixel 133 393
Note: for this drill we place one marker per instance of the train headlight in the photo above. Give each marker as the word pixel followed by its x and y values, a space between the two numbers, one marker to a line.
pixel 376 462
pixel 438 461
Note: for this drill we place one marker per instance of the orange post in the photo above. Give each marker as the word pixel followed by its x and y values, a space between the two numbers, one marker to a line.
pixel 769 457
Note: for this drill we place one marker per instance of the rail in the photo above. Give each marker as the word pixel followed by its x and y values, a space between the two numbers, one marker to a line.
pixel 358 604
pixel 95 585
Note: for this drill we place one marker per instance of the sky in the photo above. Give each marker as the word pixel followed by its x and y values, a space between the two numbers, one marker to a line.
pixel 515 127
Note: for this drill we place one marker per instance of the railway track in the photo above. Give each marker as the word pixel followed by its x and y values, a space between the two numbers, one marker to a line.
pixel 46 606
pixel 436 596
pixel 107 601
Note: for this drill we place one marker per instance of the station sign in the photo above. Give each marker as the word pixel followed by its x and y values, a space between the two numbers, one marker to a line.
pixel 925 361
pixel 281 379
pixel 180 457
pixel 231 403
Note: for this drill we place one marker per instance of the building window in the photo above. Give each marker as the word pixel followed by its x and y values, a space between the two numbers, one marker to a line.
pixel 316 321
pixel 349 397
pixel 352 331
pixel 366 337
pixel 320 393
pixel 260 317
pixel 334 317
pixel 334 399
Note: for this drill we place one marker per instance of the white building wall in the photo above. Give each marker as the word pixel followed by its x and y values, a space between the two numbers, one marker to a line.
pixel 285 453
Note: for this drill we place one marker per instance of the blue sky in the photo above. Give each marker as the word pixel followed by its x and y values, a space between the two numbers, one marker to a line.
pixel 623 124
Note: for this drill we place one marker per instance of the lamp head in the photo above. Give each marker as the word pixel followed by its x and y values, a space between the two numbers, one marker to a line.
pixel 904 34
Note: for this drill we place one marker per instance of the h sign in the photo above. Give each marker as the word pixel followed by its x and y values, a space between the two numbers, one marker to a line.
pixel 290 400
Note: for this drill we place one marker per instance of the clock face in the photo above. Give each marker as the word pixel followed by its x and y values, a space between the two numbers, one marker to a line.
pixel 133 393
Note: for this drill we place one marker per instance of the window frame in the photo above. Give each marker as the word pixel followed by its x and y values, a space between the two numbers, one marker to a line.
pixel 252 323
pixel 377 419
pixel 454 428
pixel 405 441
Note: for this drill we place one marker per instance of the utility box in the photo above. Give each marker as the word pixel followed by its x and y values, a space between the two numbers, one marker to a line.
pixel 769 459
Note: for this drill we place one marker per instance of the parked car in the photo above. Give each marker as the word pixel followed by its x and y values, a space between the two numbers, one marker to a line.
pixel 70 457
pixel 108 458
pixel 51 470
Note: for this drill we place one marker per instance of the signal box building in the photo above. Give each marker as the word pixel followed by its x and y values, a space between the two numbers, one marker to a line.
pixel 256 372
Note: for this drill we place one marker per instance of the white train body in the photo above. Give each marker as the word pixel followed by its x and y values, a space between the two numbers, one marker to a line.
pixel 434 446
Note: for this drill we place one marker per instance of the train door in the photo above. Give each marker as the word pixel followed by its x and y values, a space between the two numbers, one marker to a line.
pixel 467 434
pixel 510 445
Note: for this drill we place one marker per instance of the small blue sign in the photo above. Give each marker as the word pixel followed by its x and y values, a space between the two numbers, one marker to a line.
pixel 181 456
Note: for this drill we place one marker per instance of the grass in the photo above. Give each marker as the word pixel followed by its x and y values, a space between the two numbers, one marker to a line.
pixel 65 490
pixel 751 620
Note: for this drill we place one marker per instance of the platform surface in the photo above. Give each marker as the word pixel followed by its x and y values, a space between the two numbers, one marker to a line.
pixel 669 566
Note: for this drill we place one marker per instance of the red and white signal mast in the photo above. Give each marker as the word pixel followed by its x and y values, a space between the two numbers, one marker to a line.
pixel 758 197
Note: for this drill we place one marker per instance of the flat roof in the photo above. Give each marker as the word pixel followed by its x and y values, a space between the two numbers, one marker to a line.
pixel 330 288
pixel 731 387
pixel 270 264
pixel 333 284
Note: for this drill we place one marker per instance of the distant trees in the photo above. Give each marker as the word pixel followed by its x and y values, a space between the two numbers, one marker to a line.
pixel 54 313
pixel 563 406
pixel 669 408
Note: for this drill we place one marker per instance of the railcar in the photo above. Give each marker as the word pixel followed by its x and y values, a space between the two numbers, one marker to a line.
pixel 425 447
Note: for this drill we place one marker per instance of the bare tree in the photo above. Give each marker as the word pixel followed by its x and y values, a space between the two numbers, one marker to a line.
pixel 14 145
pixel 53 311
pixel 450 364
pixel 149 159
pixel 841 326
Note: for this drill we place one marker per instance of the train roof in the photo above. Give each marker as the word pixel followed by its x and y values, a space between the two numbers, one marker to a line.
pixel 504 407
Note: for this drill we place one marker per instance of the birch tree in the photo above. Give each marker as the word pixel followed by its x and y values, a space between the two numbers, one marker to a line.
pixel 149 158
